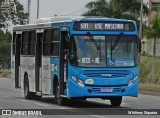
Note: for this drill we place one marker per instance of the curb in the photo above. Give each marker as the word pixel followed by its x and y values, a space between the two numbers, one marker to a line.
pixel 149 93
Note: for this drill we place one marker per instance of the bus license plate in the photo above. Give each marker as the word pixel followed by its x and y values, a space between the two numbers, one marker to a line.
pixel 107 90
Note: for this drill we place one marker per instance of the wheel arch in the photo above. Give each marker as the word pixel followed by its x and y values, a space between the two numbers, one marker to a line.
pixel 55 80
pixel 25 74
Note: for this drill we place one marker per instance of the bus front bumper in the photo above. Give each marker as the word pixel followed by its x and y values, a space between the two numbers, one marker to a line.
pixel 76 91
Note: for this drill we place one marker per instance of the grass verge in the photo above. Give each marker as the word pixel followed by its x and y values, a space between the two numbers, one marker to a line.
pixel 5 73
pixel 149 87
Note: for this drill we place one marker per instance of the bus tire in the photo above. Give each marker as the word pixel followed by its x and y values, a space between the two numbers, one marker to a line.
pixel 27 93
pixel 58 99
pixel 38 97
pixel 116 101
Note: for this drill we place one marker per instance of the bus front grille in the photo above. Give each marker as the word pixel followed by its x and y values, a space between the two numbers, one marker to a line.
pixel 114 90
pixel 106 74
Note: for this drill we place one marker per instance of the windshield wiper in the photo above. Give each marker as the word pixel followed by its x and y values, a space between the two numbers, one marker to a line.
pixel 117 40
pixel 94 42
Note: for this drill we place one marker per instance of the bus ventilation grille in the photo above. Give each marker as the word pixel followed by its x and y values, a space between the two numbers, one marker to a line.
pixel 115 90
pixel 105 74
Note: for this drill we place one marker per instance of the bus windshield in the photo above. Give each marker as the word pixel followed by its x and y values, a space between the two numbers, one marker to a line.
pixel 84 53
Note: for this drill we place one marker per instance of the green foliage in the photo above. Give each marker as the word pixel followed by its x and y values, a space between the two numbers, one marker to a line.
pixel 5 37
pixel 126 9
pixel 16 18
pixel 146 70
pixel 153 32
pixel 154 28
pixel 5 46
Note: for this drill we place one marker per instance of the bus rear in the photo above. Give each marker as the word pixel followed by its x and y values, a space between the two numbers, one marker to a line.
pixel 103 59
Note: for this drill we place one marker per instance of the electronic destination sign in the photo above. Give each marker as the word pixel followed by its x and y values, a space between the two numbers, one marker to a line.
pixel 108 26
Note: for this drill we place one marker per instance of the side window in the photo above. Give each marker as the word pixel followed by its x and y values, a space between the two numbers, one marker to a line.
pixel 25 38
pixel 55 42
pixel 13 43
pixel 31 44
pixel 47 42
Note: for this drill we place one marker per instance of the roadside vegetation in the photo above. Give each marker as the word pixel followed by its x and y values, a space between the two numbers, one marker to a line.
pixel 146 74
pixel 146 70
pixel 7 19
pixel 5 73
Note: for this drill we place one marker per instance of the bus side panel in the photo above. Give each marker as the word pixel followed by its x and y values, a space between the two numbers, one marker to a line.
pixel 31 73
pixel 27 66
pixel 46 78
pixel 23 69
pixel 54 71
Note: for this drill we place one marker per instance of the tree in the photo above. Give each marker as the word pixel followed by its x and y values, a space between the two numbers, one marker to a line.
pixel 18 17
pixel 153 32
pixel 126 9
pixel 5 36
pixel 97 8
pixel 5 48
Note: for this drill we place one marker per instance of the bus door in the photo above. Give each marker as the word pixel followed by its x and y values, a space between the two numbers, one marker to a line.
pixel 64 60
pixel 17 59
pixel 38 61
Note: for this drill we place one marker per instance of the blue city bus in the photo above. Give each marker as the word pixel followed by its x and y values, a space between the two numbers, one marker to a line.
pixel 77 58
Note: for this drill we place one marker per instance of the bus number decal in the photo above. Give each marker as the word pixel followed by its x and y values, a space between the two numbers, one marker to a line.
pixel 97 60
pixel 53 67
pixel 84 25
pixel 86 60
pixel 99 26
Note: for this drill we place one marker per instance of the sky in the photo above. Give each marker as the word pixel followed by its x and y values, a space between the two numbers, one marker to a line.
pixel 49 8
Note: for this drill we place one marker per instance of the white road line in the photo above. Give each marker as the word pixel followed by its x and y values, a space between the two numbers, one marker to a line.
pixel 98 116
pixel 61 108
pixel 5 97
pixel 42 104
pixel 22 100
pixel 66 108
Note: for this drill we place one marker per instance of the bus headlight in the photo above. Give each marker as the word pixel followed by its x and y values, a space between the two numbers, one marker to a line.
pixel 132 80
pixel 80 82
pixel 74 78
pixel 89 81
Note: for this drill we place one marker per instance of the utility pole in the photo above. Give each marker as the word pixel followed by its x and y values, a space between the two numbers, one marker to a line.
pixel 140 29
pixel 141 19
pixel 37 9
pixel 28 8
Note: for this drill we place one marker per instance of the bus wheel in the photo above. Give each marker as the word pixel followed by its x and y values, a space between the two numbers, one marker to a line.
pixel 116 101
pixel 38 97
pixel 27 94
pixel 58 99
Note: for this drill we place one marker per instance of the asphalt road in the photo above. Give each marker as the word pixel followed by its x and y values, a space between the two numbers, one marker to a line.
pixel 11 98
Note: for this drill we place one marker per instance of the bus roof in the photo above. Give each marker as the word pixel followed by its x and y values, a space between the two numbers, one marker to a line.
pixel 47 22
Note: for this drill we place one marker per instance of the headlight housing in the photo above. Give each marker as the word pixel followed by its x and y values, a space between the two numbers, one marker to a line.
pixel 131 82
pixel 89 81
pixel 78 81
pixel 74 78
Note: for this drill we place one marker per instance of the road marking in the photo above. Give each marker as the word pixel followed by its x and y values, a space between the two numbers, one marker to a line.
pixel 42 104
pixel 22 100
pixel 98 116
pixel 66 108
pixel 61 108
pixel 5 97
